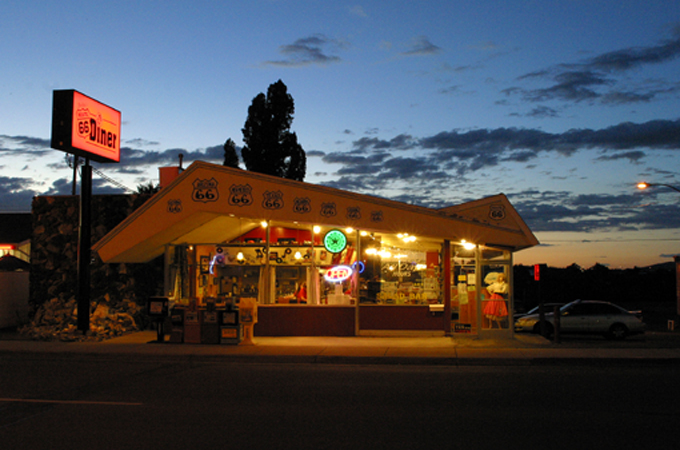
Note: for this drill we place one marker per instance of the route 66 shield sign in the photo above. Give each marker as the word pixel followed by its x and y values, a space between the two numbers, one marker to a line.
pixel 205 191
pixel 497 212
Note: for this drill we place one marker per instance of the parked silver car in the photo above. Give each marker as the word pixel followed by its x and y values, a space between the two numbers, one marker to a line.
pixel 547 307
pixel 587 317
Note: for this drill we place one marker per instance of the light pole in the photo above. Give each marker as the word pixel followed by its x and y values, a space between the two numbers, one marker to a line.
pixel 644 185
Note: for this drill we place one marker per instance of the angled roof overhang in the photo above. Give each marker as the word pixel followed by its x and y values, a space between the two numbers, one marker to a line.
pixel 210 203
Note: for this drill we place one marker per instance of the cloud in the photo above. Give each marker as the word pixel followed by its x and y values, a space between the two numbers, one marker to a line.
pixel 563 211
pixel 630 58
pixel 134 161
pixel 632 156
pixel 542 112
pixel 421 46
pixel 453 89
pixel 10 145
pixel 358 11
pixel 16 194
pixel 436 170
pixel 598 79
pixel 400 142
pixel 657 134
pixel 138 142
pixel 354 159
pixel 308 50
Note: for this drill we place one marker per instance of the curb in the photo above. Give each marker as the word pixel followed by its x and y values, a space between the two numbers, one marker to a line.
pixel 413 360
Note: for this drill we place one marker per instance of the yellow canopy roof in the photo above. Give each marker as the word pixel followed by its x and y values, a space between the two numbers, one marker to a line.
pixel 209 203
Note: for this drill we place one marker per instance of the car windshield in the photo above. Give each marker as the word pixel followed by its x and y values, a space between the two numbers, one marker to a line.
pixel 568 306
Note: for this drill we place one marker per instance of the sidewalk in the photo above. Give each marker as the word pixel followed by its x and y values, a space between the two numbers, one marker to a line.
pixel 523 350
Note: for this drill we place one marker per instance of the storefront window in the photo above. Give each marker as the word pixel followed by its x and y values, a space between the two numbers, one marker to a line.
pixel 400 270
pixel 387 270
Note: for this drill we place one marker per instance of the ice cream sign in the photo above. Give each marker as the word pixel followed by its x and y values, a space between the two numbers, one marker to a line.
pixel 85 127
pixel 337 274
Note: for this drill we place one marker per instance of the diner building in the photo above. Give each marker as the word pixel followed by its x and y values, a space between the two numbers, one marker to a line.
pixel 322 261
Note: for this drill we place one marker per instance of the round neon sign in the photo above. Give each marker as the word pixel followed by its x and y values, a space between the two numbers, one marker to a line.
pixel 335 241
pixel 338 273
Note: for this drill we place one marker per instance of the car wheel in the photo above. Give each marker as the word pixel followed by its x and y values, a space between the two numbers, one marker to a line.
pixel 548 329
pixel 618 331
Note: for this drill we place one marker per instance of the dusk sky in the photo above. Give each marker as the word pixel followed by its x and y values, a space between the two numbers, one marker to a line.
pixel 561 105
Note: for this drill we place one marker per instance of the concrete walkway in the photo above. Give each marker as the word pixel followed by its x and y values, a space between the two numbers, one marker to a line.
pixel 523 350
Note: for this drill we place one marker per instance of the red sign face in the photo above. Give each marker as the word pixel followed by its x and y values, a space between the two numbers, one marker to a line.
pixel 85 127
pixel 96 127
pixel 338 273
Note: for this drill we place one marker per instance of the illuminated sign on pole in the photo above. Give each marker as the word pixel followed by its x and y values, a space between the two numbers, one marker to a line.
pixel 85 127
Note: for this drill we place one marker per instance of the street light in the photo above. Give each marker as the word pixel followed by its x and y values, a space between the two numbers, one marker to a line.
pixel 644 185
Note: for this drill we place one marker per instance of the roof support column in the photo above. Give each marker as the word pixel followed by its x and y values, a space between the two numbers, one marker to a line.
pixel 446 285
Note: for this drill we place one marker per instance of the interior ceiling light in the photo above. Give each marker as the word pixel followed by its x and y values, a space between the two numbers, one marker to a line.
pixel 349 230
pixel 263 224
pixel 467 245
pixel 317 229
pixel 406 237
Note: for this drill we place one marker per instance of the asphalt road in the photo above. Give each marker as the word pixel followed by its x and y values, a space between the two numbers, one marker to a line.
pixel 112 404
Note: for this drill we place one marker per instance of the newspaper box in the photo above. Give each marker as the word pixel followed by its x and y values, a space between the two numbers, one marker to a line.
pixel 192 327
pixel 177 323
pixel 157 310
pixel 210 327
pixel 230 326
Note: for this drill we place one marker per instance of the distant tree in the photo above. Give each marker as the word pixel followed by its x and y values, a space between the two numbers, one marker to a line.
pixel 148 188
pixel 271 148
pixel 230 156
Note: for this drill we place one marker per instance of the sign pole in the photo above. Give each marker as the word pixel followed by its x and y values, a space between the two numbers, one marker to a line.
pixel 84 245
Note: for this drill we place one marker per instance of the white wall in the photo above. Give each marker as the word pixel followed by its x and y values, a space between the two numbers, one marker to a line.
pixel 13 298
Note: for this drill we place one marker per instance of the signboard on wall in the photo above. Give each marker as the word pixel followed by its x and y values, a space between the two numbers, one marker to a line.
pixel 85 127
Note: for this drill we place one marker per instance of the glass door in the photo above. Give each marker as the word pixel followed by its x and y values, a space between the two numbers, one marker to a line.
pixel 496 294
pixel 463 290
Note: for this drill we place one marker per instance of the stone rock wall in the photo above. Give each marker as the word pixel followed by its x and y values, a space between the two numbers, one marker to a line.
pixel 118 291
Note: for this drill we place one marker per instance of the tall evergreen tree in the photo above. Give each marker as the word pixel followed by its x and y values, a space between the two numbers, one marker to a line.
pixel 230 156
pixel 271 148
